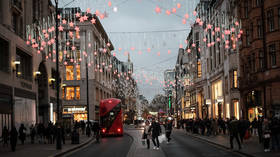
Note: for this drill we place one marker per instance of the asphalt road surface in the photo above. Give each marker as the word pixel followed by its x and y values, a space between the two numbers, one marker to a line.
pixel 108 147
pixel 183 145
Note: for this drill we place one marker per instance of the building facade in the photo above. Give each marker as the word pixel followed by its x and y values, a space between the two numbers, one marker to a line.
pixel 212 70
pixel 27 88
pixel 86 59
pixel 260 58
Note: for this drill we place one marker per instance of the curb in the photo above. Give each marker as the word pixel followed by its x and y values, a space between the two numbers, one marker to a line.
pixel 132 146
pixel 219 145
pixel 59 154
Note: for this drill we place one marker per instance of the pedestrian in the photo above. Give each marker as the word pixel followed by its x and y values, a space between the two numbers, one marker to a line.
pixel 13 138
pixel 22 133
pixel 63 134
pixel 255 127
pixel 32 133
pixel 5 136
pixel 96 131
pixel 275 132
pixel 266 135
pixel 147 134
pixel 260 123
pixel 168 130
pixel 83 126
pixel 155 129
pixel 233 132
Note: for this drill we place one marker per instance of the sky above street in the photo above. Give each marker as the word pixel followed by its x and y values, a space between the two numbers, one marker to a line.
pixel 143 29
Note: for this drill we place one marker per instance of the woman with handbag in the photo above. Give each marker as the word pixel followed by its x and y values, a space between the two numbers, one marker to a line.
pixel 147 134
pixel 266 135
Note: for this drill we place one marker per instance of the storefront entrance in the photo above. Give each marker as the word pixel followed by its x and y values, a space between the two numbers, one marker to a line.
pixel 254 112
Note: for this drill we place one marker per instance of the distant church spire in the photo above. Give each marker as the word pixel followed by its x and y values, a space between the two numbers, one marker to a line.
pixel 128 58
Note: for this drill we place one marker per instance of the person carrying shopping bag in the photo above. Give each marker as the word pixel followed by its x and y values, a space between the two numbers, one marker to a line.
pixel 155 129
pixel 146 134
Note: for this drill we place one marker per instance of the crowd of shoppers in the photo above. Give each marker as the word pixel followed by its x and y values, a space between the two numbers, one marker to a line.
pixel 44 134
pixel 267 130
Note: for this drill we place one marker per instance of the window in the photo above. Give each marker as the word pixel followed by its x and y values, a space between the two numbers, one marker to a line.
pixel 261 60
pixel 272 53
pixel 235 81
pixel 24 69
pixel 4 55
pixel 78 94
pixel 69 72
pixel 248 40
pixel 78 71
pixel 279 18
pixel 259 28
pixel 226 84
pixel 251 31
pixel 63 92
pixel 198 69
pixel 246 9
pixel 258 3
pixel 70 93
pixel 270 20
pixel 253 66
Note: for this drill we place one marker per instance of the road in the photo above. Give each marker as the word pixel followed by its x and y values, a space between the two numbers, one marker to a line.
pixel 183 145
pixel 109 147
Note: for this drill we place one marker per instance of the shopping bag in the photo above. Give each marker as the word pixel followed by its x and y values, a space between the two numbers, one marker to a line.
pixel 162 138
pixel 143 142
pixel 247 135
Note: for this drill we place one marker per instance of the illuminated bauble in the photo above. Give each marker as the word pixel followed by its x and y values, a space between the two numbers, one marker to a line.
pixel 115 9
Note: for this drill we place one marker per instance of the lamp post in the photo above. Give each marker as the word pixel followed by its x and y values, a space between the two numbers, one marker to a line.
pixel 176 105
pixel 58 141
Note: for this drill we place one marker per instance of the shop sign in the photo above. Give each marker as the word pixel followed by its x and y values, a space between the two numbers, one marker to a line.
pixel 220 99
pixel 208 102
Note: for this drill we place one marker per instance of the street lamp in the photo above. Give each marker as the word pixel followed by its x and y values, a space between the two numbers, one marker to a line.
pixel 58 141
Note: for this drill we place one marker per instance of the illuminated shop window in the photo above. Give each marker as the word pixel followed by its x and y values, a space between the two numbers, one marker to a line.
pixel 78 94
pixel 198 69
pixel 63 92
pixel 70 93
pixel 69 72
pixel 235 81
pixel 78 71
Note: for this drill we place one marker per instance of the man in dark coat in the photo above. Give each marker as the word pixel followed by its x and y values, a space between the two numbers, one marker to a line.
pixel 22 133
pixel 156 131
pixel 5 136
pixel 13 138
pixel 233 132
pixel 168 130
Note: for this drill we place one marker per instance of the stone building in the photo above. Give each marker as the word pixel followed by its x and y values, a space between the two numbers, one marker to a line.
pixel 27 90
pixel 212 70
pixel 260 58
pixel 91 55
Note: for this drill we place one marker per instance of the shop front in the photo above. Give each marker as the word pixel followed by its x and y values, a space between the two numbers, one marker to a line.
pixel 217 99
pixel 79 112
pixel 253 103
pixel 6 107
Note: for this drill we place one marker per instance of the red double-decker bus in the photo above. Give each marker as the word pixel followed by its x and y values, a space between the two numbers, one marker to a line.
pixel 111 117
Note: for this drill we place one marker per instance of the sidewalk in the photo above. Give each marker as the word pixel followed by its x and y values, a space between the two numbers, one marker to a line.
pixel 137 149
pixel 250 147
pixel 43 150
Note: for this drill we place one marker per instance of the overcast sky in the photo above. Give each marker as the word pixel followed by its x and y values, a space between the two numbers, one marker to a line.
pixel 136 25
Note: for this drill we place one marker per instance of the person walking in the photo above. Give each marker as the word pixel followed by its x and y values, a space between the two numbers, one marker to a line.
pixel 168 130
pixel 5 136
pixel 155 129
pixel 22 133
pixel 96 131
pixel 275 131
pixel 32 133
pixel 266 135
pixel 147 134
pixel 13 138
pixel 233 132
pixel 255 127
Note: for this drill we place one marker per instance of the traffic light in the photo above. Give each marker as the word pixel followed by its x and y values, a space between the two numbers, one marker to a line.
pixel 169 101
